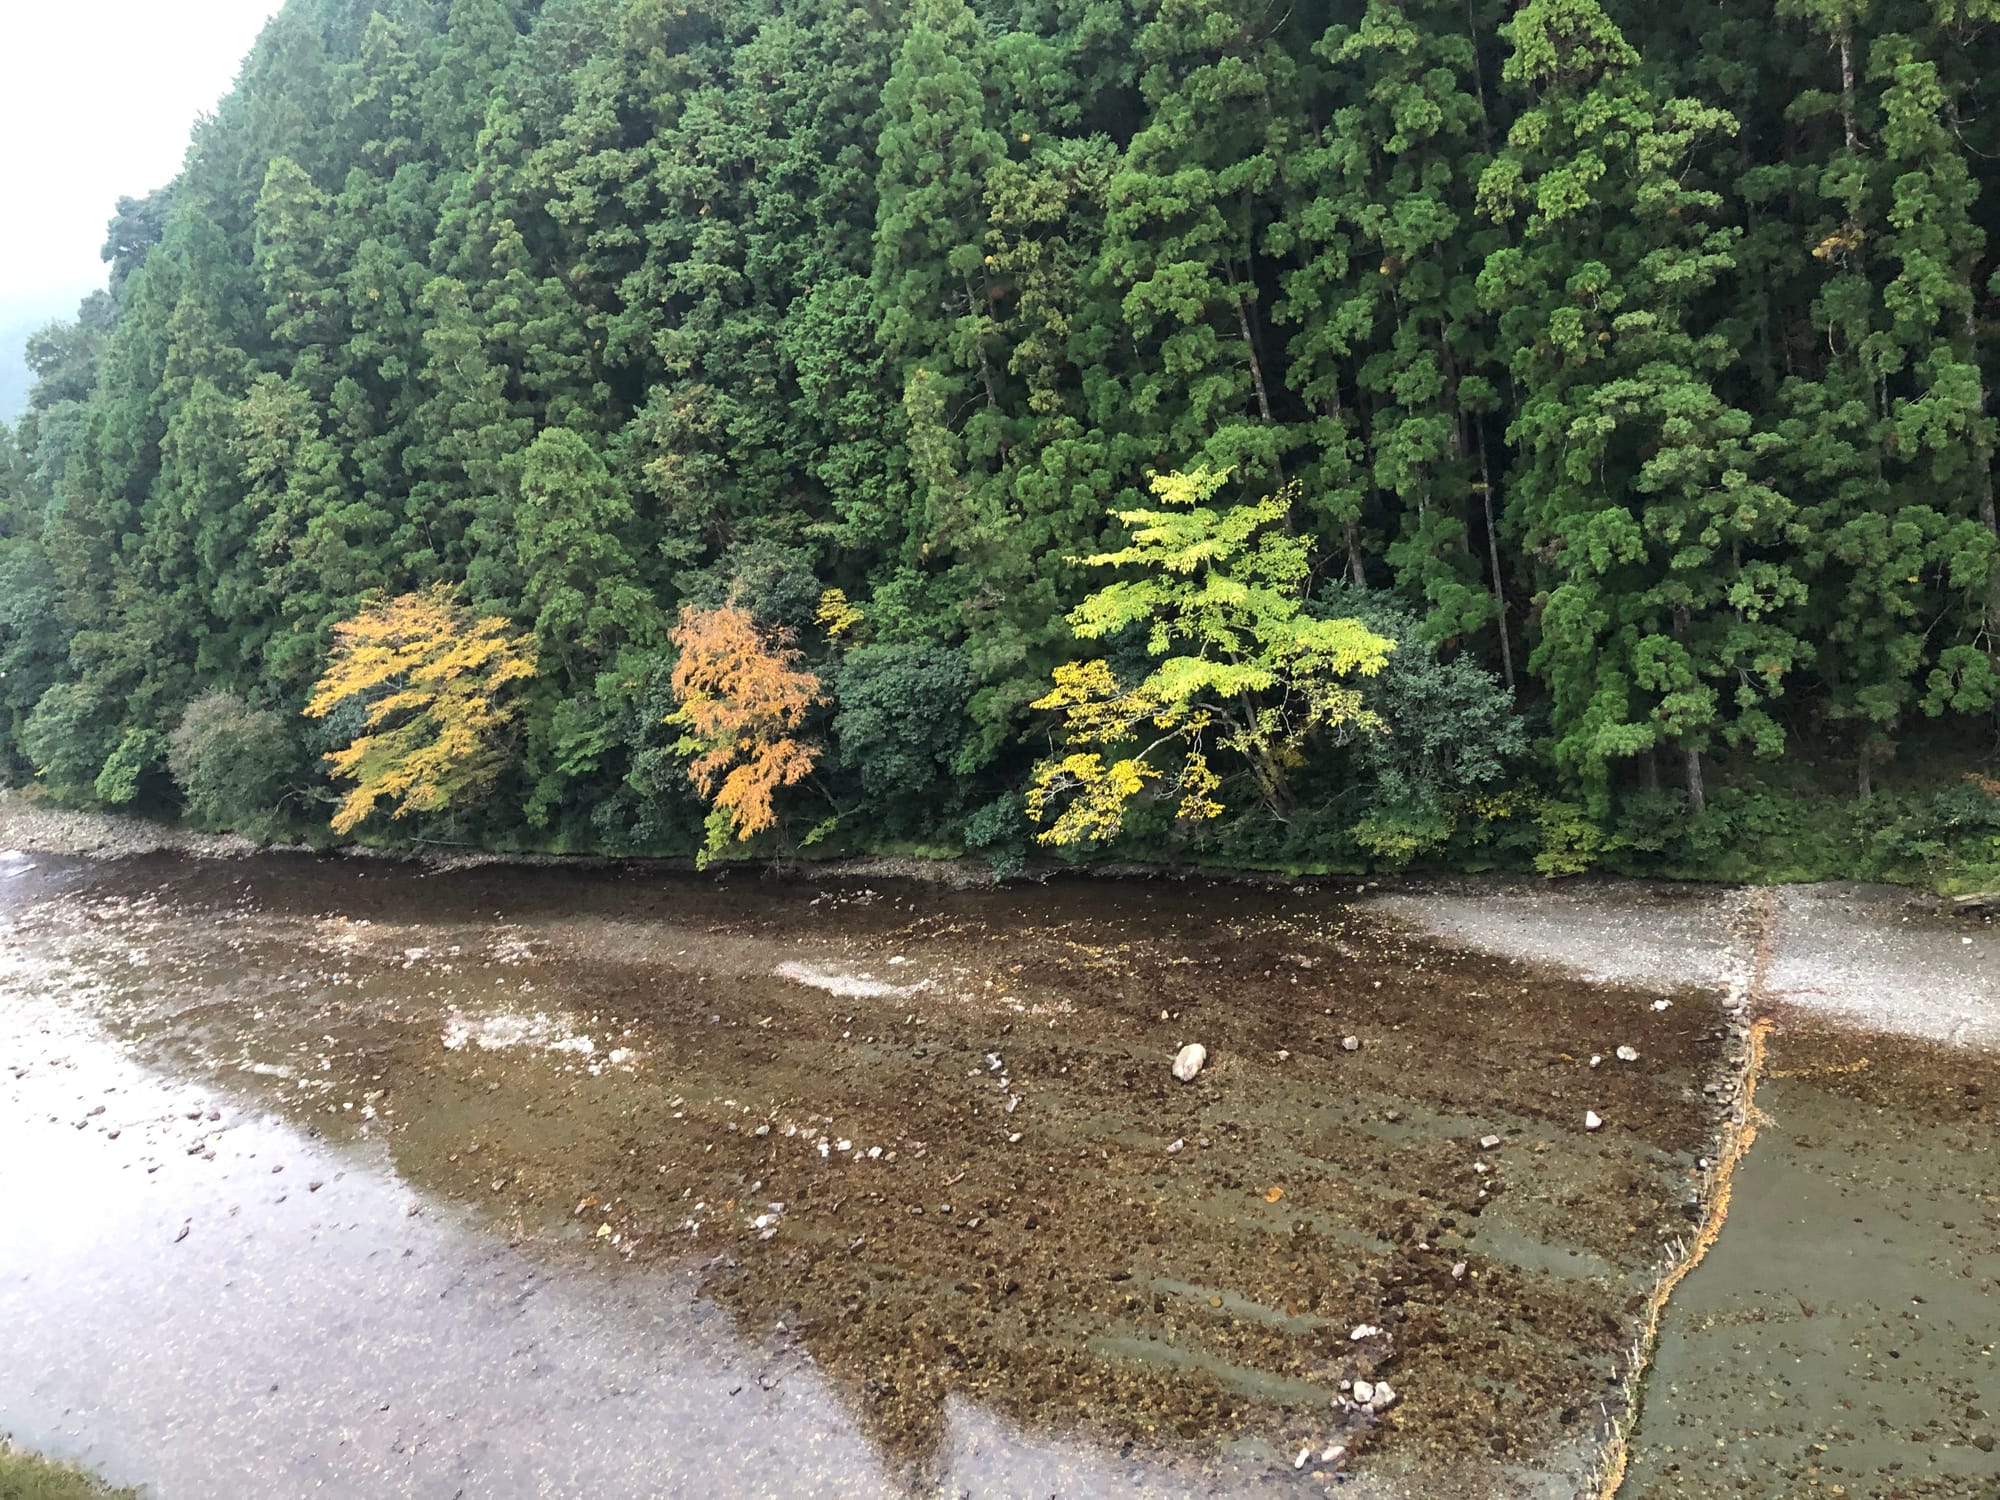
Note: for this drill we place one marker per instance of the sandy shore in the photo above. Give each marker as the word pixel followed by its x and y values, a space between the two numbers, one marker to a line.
pixel 1875 958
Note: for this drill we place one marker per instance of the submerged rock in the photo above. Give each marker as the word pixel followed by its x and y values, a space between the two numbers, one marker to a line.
pixel 1189 1061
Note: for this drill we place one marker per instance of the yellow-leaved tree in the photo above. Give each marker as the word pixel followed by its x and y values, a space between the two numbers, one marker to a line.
pixel 433 679
pixel 743 698
pixel 1242 665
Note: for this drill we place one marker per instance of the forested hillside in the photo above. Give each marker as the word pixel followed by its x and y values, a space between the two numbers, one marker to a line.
pixel 751 391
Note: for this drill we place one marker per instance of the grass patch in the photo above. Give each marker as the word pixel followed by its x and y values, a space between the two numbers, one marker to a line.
pixel 29 1476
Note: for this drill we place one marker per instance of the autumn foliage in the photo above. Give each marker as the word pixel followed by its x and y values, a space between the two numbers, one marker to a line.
pixel 742 698
pixel 434 679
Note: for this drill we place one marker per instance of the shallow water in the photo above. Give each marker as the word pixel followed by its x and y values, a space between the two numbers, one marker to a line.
pixel 540 1182
pixel 1841 1337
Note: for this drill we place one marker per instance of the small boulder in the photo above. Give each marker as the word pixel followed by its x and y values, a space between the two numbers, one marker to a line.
pixel 1350 1044
pixel 1189 1061
pixel 1591 1120
pixel 1364 1393
pixel 1384 1397
pixel 1628 1054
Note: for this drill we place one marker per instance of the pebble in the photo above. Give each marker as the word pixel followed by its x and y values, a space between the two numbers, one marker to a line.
pixel 1591 1120
pixel 1189 1061
pixel 1350 1044
pixel 1363 1331
pixel 1488 1142
pixel 1628 1054
pixel 1364 1393
pixel 1333 1455
pixel 1385 1397
pixel 1176 1148
pixel 1458 1271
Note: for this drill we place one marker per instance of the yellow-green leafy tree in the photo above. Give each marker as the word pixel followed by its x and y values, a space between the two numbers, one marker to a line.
pixel 434 679
pixel 1241 665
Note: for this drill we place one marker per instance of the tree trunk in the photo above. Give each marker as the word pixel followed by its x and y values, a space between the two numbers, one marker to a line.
pixel 1847 88
pixel 1250 349
pixel 1478 81
pixel 1493 554
pixel 1697 790
pixel 985 366
pixel 1350 532
pixel 1649 770
pixel 1983 465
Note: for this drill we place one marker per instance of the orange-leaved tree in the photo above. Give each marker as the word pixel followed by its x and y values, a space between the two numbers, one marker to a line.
pixel 743 697
pixel 433 678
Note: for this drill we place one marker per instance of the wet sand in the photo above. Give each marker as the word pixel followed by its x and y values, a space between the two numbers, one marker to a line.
pixel 900 1170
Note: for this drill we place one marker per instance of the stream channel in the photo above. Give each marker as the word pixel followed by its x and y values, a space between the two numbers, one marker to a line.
pixel 353 1177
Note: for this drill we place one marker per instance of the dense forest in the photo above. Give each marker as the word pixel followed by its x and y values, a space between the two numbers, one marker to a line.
pixel 1454 431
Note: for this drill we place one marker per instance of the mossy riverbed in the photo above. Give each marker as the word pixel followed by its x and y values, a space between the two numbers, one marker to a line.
pixel 851 1188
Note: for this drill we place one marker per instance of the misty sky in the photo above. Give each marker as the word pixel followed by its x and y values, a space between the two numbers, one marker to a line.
pixel 96 100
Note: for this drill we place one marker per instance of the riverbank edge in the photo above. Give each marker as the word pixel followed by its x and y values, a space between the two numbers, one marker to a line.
pixel 1745 1007
pixel 35 826
pixel 26 1475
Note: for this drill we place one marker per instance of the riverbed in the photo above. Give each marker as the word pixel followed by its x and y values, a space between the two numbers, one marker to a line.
pixel 365 1177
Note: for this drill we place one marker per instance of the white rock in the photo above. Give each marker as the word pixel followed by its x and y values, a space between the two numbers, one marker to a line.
pixel 1189 1061
pixel 1364 1393
pixel 1384 1397
pixel 1590 1120
pixel 1596 1058
pixel 1488 1142
pixel 1176 1148
pixel 1333 1455
pixel 1661 1004
pixel 1458 1271
pixel 1300 1461
pixel 1350 1044
pixel 1364 1331
pixel 1628 1054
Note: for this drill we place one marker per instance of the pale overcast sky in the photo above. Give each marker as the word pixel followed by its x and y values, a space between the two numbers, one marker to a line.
pixel 96 100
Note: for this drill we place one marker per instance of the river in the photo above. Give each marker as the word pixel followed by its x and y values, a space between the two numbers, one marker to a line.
pixel 359 1177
